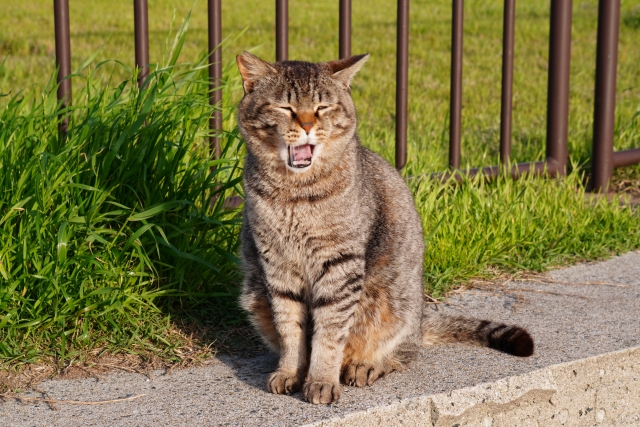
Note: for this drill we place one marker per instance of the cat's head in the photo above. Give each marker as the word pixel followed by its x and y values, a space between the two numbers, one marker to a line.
pixel 297 116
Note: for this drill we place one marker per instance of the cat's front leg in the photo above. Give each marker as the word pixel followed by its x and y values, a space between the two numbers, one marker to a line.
pixel 289 309
pixel 333 302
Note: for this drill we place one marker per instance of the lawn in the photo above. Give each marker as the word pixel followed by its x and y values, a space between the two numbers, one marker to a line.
pixel 109 240
pixel 27 38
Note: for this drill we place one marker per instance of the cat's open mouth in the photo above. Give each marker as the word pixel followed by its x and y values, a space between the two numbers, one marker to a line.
pixel 301 156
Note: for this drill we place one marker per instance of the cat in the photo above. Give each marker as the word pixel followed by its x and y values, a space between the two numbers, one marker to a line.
pixel 331 242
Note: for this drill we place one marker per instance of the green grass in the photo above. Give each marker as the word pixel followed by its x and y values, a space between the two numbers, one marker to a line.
pixel 28 38
pixel 478 228
pixel 105 232
pixel 108 237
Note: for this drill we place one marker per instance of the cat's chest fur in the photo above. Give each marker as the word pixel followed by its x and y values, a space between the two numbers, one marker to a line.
pixel 303 233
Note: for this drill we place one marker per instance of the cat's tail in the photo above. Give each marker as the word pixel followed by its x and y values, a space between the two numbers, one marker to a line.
pixel 438 328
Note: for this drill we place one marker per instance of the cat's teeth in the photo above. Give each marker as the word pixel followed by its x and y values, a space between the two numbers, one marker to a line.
pixel 300 155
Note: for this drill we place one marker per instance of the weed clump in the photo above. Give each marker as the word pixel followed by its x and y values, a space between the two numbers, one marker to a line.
pixel 108 230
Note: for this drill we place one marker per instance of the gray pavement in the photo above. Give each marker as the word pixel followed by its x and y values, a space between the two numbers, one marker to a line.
pixel 583 311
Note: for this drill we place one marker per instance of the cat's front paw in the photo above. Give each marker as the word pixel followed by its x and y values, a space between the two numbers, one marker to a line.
pixel 281 382
pixel 322 392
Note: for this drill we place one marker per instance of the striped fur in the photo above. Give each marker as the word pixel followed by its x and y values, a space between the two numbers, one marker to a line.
pixel 332 252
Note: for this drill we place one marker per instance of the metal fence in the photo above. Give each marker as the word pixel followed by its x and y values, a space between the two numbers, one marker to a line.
pixel 604 159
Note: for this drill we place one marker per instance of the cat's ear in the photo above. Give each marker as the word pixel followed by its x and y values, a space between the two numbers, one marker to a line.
pixel 343 70
pixel 252 69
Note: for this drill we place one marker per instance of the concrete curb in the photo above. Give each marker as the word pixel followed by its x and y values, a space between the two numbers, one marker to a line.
pixel 601 390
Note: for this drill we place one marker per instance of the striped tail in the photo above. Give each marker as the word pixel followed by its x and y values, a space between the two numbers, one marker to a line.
pixel 438 328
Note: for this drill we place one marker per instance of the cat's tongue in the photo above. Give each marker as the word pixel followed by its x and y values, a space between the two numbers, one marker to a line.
pixel 300 155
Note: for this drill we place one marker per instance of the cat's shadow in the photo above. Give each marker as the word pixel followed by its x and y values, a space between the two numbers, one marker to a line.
pixel 254 371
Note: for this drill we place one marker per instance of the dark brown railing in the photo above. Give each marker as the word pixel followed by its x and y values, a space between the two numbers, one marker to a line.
pixel 141 30
pixel 402 82
pixel 455 105
pixel 215 72
pixel 557 97
pixel 604 159
pixel 63 58
pixel 506 104
pixel 345 29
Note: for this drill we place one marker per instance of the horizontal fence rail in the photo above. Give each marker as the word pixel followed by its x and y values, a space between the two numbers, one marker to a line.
pixel 604 159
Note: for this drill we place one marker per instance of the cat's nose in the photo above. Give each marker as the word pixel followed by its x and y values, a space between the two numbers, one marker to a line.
pixel 307 126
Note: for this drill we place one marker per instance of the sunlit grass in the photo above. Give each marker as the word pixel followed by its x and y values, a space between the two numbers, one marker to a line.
pixel 27 38
pixel 107 230
pixel 479 227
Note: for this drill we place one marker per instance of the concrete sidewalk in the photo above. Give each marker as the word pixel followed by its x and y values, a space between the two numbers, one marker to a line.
pixel 585 371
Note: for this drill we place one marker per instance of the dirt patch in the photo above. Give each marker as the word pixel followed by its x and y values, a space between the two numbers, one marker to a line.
pixel 627 184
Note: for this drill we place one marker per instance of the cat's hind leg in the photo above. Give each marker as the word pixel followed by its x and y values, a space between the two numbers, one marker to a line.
pixel 381 340
pixel 362 367
pixel 365 374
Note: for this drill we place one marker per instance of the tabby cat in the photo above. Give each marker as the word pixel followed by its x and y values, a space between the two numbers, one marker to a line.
pixel 332 245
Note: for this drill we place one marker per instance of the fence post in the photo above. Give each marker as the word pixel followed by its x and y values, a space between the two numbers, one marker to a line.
pixel 558 86
pixel 282 30
pixel 402 82
pixel 455 106
pixel 215 74
pixel 63 59
pixel 345 29
pixel 141 30
pixel 506 103
pixel 605 94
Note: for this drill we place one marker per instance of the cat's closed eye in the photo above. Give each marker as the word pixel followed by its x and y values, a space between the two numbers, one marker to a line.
pixel 319 108
pixel 289 110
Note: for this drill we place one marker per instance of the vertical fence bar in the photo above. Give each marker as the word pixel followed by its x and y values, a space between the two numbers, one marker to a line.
pixel 506 104
pixel 345 28
pixel 282 30
pixel 215 73
pixel 455 107
pixel 605 94
pixel 63 58
pixel 558 86
pixel 141 29
pixel 402 82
